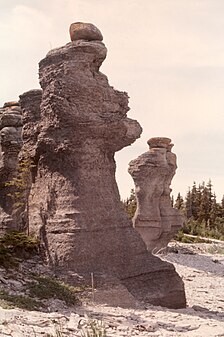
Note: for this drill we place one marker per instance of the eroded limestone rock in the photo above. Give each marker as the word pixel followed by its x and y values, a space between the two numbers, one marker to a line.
pixel 74 202
pixel 155 219
pixel 31 100
pixel 10 145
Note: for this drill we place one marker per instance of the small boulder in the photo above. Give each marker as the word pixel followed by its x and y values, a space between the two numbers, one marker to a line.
pixel 159 142
pixel 84 31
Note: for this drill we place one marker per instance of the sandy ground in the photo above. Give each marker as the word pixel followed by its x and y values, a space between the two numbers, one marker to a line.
pixel 203 275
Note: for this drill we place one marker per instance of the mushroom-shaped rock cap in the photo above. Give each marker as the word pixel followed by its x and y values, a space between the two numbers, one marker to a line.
pixel 161 142
pixel 84 31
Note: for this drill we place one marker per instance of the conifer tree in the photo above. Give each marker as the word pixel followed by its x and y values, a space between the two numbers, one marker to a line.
pixel 179 203
pixel 205 216
pixel 130 204
pixel 194 201
pixel 188 204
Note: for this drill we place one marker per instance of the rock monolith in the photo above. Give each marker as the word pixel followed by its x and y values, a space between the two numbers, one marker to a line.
pixel 155 218
pixel 74 202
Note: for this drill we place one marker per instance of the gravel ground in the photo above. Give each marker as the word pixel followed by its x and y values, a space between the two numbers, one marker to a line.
pixel 203 275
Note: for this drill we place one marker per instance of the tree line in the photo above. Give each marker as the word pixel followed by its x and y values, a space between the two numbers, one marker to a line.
pixel 204 215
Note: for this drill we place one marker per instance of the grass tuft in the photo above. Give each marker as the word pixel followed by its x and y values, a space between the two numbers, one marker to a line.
pixel 94 329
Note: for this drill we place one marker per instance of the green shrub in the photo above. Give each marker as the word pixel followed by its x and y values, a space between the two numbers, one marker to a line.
pixel 19 184
pixel 52 288
pixel 182 237
pixel 6 258
pixel 14 245
pixel 24 302
pixel 19 242
pixel 197 228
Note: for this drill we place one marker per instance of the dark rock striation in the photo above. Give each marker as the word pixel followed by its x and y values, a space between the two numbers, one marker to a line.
pixel 72 131
pixel 155 219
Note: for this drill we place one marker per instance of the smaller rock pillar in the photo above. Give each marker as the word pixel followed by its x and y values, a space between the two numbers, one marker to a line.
pixel 10 145
pixel 155 218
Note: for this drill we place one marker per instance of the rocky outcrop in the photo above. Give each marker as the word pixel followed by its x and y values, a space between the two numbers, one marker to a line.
pixel 17 152
pixel 74 203
pixel 155 219
pixel 10 145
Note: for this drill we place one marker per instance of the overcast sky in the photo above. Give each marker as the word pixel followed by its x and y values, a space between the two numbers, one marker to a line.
pixel 167 54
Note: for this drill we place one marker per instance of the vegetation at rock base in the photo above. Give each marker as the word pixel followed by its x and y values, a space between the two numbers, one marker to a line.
pixel 20 183
pixel 6 258
pixel 204 215
pixel 8 301
pixel 38 290
pixel 47 287
pixel 19 187
pixel 14 245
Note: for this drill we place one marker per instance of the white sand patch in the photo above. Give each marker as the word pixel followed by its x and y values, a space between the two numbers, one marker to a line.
pixel 203 275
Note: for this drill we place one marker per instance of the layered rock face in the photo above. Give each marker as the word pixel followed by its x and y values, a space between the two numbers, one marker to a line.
pixel 155 219
pixel 10 145
pixel 30 102
pixel 74 203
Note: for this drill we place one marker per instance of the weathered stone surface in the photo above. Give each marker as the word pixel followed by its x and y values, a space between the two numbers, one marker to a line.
pixel 84 31
pixel 155 219
pixel 31 100
pixel 74 203
pixel 10 145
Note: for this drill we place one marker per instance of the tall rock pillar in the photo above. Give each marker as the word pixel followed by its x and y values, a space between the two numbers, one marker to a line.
pixel 74 203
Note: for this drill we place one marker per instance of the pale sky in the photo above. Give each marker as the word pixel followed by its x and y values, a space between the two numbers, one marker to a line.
pixel 167 54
